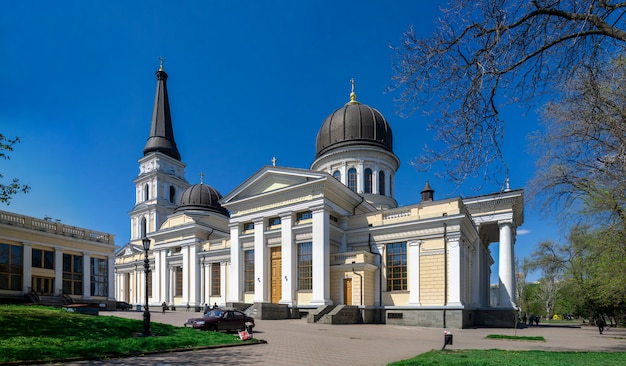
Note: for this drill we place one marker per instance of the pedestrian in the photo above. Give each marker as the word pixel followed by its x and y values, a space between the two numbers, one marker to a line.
pixel 524 319
pixel 206 308
pixel 187 306
pixel 537 320
pixel 215 306
pixel 164 305
pixel 600 323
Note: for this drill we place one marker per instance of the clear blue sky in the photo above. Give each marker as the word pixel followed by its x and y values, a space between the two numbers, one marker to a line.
pixel 247 81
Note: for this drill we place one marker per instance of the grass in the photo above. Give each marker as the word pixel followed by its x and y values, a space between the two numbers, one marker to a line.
pixel 496 357
pixel 44 333
pixel 518 338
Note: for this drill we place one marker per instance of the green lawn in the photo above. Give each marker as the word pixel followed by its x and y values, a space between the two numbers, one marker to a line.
pixel 495 357
pixel 44 333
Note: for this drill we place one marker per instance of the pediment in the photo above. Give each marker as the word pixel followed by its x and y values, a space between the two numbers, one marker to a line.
pixel 272 179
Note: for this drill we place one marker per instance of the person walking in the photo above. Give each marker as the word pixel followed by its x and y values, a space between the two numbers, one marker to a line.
pixel 601 324
pixel 164 305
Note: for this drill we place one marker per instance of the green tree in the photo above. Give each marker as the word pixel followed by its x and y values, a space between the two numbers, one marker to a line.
pixel 487 54
pixel 8 190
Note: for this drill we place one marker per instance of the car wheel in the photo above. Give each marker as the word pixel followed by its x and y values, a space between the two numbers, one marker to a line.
pixel 213 328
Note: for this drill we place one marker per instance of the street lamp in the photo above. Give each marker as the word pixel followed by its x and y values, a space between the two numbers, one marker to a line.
pixel 146 265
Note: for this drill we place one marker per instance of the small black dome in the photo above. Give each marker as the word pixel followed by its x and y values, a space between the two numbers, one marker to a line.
pixel 354 124
pixel 201 197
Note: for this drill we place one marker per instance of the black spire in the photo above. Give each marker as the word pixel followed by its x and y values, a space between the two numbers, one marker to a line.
pixel 161 132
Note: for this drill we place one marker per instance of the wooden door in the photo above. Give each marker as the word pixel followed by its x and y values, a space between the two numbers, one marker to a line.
pixel 347 291
pixel 277 269
pixel 43 285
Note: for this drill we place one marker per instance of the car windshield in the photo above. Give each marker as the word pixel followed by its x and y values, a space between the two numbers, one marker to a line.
pixel 214 314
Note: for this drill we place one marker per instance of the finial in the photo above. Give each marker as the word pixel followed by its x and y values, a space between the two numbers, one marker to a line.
pixel 352 93
pixel 201 178
pixel 274 160
pixel 507 186
pixel 161 64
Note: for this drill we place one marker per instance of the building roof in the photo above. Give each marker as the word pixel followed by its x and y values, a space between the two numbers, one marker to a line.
pixel 201 197
pixel 354 124
pixel 161 137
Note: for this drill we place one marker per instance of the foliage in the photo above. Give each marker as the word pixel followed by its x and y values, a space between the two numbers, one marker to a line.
pixel 593 262
pixel 43 333
pixel 8 190
pixel 494 357
pixel 491 53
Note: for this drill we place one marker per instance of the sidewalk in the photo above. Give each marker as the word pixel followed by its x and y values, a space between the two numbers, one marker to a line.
pixel 295 342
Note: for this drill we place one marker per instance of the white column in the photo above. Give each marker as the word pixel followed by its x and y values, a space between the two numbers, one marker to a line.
pixel 86 276
pixel 375 179
pixel 321 258
pixel 27 265
pixel 477 269
pixel 192 272
pixel 223 279
pixel 360 177
pixel 414 272
pixel 236 266
pixel 111 278
pixel 506 268
pixel 58 271
pixel 454 270
pixel 287 262
pixel 261 287
pixel 170 284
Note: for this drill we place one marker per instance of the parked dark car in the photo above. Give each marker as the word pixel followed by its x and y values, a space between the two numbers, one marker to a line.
pixel 123 305
pixel 222 319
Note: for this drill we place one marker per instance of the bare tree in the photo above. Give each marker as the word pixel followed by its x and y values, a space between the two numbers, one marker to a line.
pixel 8 190
pixel 491 53
pixel 583 146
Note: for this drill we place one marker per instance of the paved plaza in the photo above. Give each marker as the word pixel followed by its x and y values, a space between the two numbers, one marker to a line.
pixel 296 342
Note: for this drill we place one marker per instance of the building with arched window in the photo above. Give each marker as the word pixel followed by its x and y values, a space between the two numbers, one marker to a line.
pixel 328 241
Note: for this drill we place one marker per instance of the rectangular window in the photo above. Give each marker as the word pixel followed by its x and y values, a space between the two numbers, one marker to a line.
pixel 11 267
pixel 43 259
pixel 178 275
pixel 248 264
pixel 99 277
pixel 304 215
pixel 73 274
pixel 248 226
pixel 215 279
pixel 273 222
pixel 305 266
pixel 396 266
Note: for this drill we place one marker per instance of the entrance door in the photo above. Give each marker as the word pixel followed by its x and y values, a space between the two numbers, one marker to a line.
pixel 43 285
pixel 277 269
pixel 347 291
pixel 127 287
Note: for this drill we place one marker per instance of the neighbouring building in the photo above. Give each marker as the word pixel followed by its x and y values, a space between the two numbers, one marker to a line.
pixel 46 261
pixel 329 241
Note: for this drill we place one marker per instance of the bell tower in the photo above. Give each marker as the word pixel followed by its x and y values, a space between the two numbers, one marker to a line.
pixel 161 177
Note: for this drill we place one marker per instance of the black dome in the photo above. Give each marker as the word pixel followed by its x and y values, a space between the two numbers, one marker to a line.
pixel 354 124
pixel 201 197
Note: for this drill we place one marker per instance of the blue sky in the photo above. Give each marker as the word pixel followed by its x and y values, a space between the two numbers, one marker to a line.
pixel 247 81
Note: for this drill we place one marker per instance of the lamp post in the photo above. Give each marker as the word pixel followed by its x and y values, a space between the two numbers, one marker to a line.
pixel 146 265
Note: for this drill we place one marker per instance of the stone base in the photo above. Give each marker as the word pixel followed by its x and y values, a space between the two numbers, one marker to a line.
pixel 452 318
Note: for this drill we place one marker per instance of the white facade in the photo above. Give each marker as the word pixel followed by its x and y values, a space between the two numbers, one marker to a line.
pixel 330 235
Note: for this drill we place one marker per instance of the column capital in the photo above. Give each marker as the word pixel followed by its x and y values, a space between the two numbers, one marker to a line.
pixel 505 222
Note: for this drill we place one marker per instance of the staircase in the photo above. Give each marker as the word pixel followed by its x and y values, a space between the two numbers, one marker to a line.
pixel 335 314
pixel 56 301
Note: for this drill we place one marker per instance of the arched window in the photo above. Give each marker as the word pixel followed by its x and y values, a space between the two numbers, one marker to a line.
pixel 368 180
pixel 381 182
pixel 172 194
pixel 146 192
pixel 144 227
pixel 337 175
pixel 352 179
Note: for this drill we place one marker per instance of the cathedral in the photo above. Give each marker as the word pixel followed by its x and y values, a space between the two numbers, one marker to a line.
pixel 328 243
